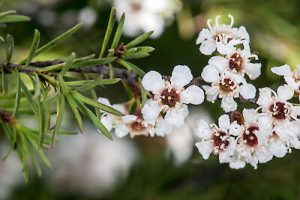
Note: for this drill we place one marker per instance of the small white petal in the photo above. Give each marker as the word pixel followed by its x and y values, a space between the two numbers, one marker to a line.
pixel 211 93
pixel 219 62
pixel 278 148
pixel 192 95
pixel 108 122
pixel 224 49
pixel 236 129
pixel 203 35
pixel 152 81
pixel 249 115
pixel 291 82
pixel 253 70
pixel 202 129
pixel 247 91
pixel 205 148
pixel 181 76
pixel 177 115
pixel 224 122
pixel 237 164
pixel 285 92
pixel 207 47
pixel 243 33
pixel 129 118
pixel 228 104
pixel 151 110
pixel 162 128
pixel 283 70
pixel 121 130
pixel 104 101
pixel 265 97
pixel 210 74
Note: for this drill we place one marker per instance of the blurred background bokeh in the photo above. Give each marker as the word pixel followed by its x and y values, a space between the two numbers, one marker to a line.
pixel 88 166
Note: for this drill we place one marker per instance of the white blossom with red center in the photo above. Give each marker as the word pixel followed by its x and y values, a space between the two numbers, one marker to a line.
pixel 238 63
pixel 252 137
pixel 221 37
pixel 276 105
pixel 215 139
pixel 134 125
pixel 170 97
pixel 225 87
pixel 292 78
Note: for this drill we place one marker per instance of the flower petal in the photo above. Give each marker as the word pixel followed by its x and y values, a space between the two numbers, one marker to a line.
pixel 224 122
pixel 205 148
pixel 283 70
pixel 152 81
pixel 203 35
pixel 253 70
pixel 177 115
pixel 162 128
pixel 265 97
pixel 210 74
pixel 181 76
pixel 228 104
pixel 193 95
pixel 121 130
pixel 202 129
pixel 151 110
pixel 219 62
pixel 207 47
pixel 249 115
pixel 285 92
pixel 247 91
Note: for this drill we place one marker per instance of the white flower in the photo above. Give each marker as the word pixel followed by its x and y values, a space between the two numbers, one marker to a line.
pixel 225 87
pixel 276 105
pixel 292 78
pixel 146 15
pixel 171 96
pixel 128 124
pixel 252 137
pixel 239 63
pixel 221 37
pixel 214 139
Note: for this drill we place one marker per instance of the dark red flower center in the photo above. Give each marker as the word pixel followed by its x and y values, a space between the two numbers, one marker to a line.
pixel 227 85
pixel 221 140
pixel 249 136
pixel 236 62
pixel 169 97
pixel 279 110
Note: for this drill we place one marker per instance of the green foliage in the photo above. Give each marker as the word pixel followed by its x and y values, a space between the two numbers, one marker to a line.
pixel 45 89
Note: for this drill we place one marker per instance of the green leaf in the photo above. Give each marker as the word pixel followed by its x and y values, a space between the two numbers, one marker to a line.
pixel 85 58
pixel 59 115
pixel 135 56
pixel 37 86
pixel 131 67
pixel 57 40
pixel 29 97
pixel 34 47
pixel 143 93
pixel 41 120
pixel 91 102
pixel 118 32
pixel 64 88
pixel 73 107
pixel 111 22
pixel 18 93
pixel 68 64
pixel 92 84
pixel 139 39
pixel 89 114
pixel 4 82
pixel 2 14
pixel 14 18
pixel 145 49
pixel 97 61
pixel 9 47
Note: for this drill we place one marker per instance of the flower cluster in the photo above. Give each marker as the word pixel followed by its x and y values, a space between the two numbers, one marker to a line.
pixel 226 71
pixel 255 135
pixel 146 15
pixel 249 136
pixel 167 108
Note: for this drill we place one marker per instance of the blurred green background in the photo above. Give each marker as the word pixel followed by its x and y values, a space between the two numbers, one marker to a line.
pixel 274 29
